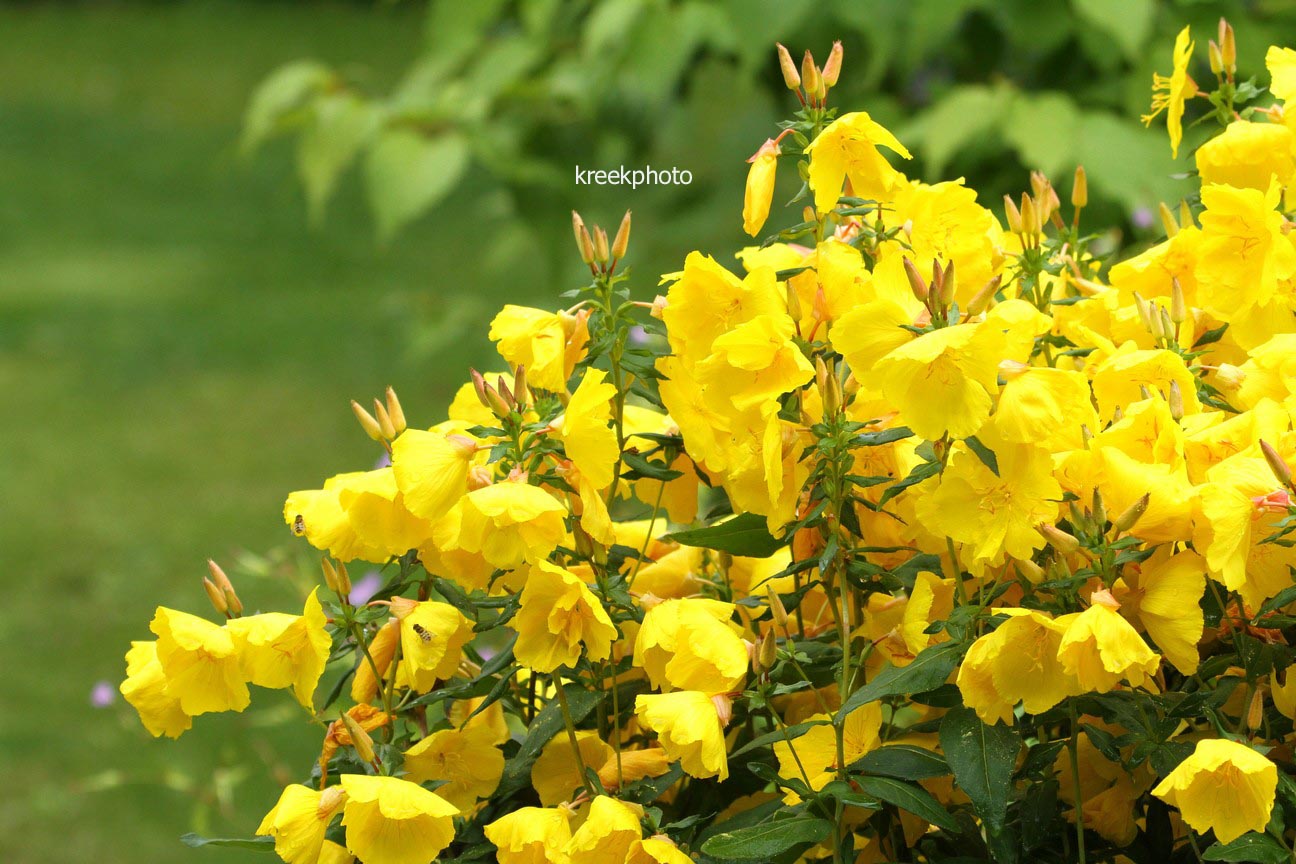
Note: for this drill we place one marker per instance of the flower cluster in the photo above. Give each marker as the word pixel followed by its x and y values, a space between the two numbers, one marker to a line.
pixel 919 535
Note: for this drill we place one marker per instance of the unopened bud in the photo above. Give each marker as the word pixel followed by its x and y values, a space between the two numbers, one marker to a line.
pixel 1176 401
pixel 521 393
pixel 788 67
pixel 1030 219
pixel 578 226
pixel 1155 323
pixel 232 602
pixel 1032 572
pixel 367 422
pixel 811 79
pixel 601 251
pixel 1080 189
pixel 1178 309
pixel 501 387
pixel 395 411
pixel 622 241
pixel 1228 47
pixel 1186 217
pixel 777 610
pixel 1098 508
pixel 330 801
pixel 947 285
pixel 793 302
pixel 1168 329
pixel 1064 543
pixel 1281 470
pixel 916 283
pixel 216 596
pixel 1216 59
pixel 360 739
pixel 330 575
pixel 724 708
pixel 767 651
pixel 981 300
pixel 1142 306
pixel 832 67
pixel 385 424
pixel 1168 220
pixel 1132 514
pixel 1255 712
pixel 1013 215
pixel 479 387
pixel 586 246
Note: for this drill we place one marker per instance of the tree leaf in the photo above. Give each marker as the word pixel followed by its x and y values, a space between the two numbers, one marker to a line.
pixel 285 90
pixel 766 840
pixel 744 535
pixel 341 124
pixel 982 758
pixel 1127 22
pixel 254 844
pixel 1042 129
pixel 908 796
pixel 928 671
pixel 904 761
pixel 1258 848
pixel 407 172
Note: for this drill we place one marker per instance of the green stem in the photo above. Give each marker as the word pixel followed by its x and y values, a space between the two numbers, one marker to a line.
pixel 1075 783
pixel 571 734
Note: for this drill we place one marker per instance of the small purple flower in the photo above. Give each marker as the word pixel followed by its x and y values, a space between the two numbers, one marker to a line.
pixel 364 588
pixel 384 461
pixel 103 694
pixel 639 336
pixel 1142 218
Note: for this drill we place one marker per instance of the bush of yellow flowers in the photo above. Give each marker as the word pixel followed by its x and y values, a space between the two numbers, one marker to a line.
pixel 917 534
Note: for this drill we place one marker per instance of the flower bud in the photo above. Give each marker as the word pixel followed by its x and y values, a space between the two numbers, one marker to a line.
pixel 367 422
pixel 767 651
pixel 1168 220
pixel 622 241
pixel 981 300
pixel 360 739
pixel 330 575
pixel 1030 219
pixel 385 424
pixel 216 596
pixel 916 283
pixel 1064 543
pixel 232 602
pixel 586 246
pixel 811 79
pixel 777 610
pixel 793 302
pixel 724 708
pixel 1228 47
pixel 1013 215
pixel 395 412
pixel 1032 572
pixel 832 67
pixel 788 67
pixel 578 226
pixel 1281 470
pixel 520 390
pixel 1098 508
pixel 601 251
pixel 947 285
pixel 1178 309
pixel 1080 189
pixel 1216 59
pixel 1132 514
pixel 501 387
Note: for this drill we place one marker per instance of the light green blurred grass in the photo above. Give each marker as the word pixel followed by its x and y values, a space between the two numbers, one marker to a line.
pixel 177 350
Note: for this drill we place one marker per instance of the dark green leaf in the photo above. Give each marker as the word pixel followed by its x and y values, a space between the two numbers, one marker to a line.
pixel 927 672
pixel 547 723
pixel 904 761
pixel 907 796
pixel 883 436
pixel 254 844
pixel 1253 847
pixel 984 453
pixel 762 842
pixel 744 535
pixel 791 733
pixel 982 758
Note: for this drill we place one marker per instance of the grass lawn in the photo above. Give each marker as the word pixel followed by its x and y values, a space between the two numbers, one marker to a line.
pixel 177 350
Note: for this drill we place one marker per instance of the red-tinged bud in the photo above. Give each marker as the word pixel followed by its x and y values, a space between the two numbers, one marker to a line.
pixel 622 241
pixel 1064 543
pixel 1132 514
pixel 788 67
pixel 832 67
pixel 1277 464
pixel 916 283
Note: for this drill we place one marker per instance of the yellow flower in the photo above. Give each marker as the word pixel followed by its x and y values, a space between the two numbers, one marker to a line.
pixel 531 835
pixel 558 615
pixel 755 363
pixel 688 725
pixel 994 517
pixel 943 381
pixel 394 821
pixel 299 819
pixel 1018 662
pixel 556 775
pixel 689 645
pixel 1043 406
pixel 431 470
pixel 356 515
pixel 1224 786
pixel 815 752
pixel 145 688
pixel 1117 379
pixel 702 426
pixel 507 523
pixel 278 650
pixel 382 648
pixel 707 301
pixel 1281 63
pixel 760 187
pixel 432 636
pixel 200 662
pixel 848 150
pixel 1169 94
pixel 1248 156
pixel 1101 649
pixel 466 758
pixel 588 439
pixel 332 853
pixel 679 496
pixel 610 829
pixel 1165 598
pixel 931 600
pixel 657 850
pixel 548 344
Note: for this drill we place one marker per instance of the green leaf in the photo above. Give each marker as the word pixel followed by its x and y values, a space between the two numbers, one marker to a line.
pixel 1042 129
pixel 883 436
pixel 928 671
pixel 982 758
pixel 744 535
pixel 791 733
pixel 1257 848
pixel 547 723
pixel 254 844
pixel 908 796
pixel 964 115
pixel 904 761
pixel 766 840
pixel 284 91
pixel 984 453
pixel 1127 22
pixel 341 124
pixel 408 172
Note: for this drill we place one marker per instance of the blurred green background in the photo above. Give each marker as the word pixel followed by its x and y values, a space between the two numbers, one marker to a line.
pixel 179 338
